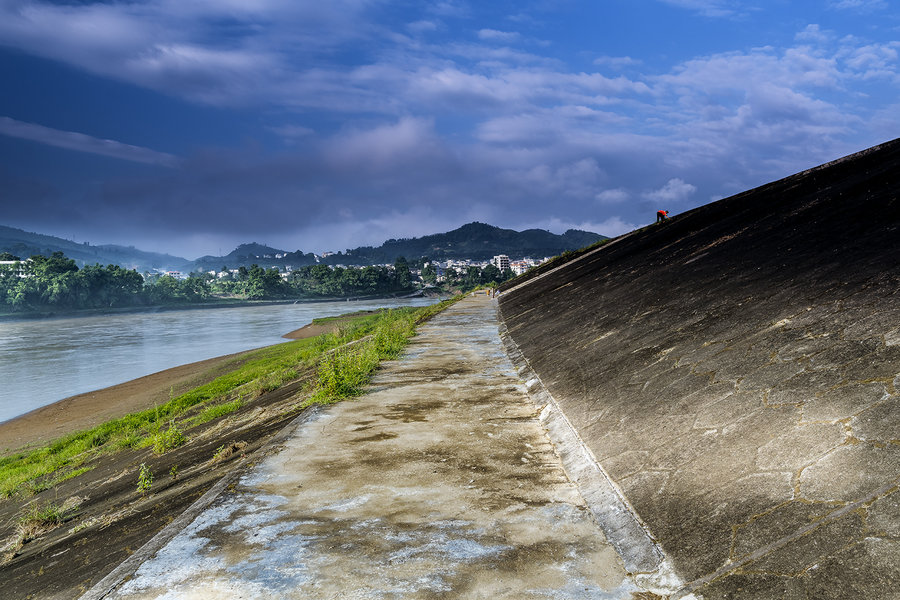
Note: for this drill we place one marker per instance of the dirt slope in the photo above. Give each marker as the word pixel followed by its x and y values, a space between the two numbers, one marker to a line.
pixel 736 371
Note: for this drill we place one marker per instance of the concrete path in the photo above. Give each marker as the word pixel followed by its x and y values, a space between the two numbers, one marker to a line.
pixel 440 483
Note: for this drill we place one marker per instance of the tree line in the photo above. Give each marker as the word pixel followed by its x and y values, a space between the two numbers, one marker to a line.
pixel 57 282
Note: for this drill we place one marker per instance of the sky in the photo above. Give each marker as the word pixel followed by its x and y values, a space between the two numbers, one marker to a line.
pixel 191 126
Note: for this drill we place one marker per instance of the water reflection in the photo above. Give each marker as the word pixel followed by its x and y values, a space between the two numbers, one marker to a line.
pixel 47 360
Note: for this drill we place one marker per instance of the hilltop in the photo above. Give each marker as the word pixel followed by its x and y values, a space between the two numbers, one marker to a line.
pixel 478 241
pixel 736 373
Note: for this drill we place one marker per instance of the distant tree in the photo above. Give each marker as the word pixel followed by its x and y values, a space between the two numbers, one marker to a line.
pixel 429 273
pixel 6 256
pixel 490 274
pixel 402 276
pixel 472 277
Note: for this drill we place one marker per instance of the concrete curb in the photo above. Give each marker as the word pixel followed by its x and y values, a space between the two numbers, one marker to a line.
pixel 127 568
pixel 641 554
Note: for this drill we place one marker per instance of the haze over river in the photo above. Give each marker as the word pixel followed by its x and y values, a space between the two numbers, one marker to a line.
pixel 42 361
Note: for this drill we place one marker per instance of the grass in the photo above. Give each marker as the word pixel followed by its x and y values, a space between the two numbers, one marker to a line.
pixel 343 369
pixel 215 411
pixel 38 520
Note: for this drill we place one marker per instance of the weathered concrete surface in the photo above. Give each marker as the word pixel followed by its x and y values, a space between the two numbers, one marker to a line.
pixel 440 483
pixel 736 372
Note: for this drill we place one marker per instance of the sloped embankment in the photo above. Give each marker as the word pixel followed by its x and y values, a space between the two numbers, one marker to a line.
pixel 736 372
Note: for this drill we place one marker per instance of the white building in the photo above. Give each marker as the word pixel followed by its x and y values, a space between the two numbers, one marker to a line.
pixel 18 267
pixel 501 261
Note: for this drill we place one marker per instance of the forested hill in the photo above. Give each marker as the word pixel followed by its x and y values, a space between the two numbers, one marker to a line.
pixel 25 244
pixel 477 241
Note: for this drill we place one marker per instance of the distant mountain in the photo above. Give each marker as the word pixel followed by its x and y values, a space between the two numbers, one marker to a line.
pixel 476 241
pixel 24 244
pixel 246 255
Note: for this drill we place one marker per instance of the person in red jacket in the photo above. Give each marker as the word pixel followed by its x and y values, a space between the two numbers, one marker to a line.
pixel 662 215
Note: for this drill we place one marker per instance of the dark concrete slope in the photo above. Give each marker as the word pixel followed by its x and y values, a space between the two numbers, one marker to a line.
pixel 736 371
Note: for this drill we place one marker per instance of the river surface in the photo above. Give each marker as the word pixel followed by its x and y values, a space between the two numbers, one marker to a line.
pixel 42 361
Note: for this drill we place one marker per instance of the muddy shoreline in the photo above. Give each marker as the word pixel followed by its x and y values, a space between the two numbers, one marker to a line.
pixel 84 411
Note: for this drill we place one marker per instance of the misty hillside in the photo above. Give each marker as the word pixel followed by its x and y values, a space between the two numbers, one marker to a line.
pixel 25 244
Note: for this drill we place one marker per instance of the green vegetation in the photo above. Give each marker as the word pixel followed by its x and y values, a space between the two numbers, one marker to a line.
pixel 163 441
pixel 56 282
pixel 38 520
pixel 344 360
pixel 145 479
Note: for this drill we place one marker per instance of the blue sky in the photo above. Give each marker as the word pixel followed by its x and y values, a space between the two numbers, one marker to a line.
pixel 193 126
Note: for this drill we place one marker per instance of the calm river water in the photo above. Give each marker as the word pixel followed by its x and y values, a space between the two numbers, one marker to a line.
pixel 43 361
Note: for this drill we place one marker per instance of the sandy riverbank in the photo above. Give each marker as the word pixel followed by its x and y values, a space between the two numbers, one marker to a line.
pixel 90 409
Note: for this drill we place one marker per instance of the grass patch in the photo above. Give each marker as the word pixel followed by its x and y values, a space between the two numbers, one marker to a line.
pixel 345 371
pixel 171 438
pixel 39 520
pixel 342 371
pixel 215 411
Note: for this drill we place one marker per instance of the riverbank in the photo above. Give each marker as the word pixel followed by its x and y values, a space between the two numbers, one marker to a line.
pixel 218 303
pixel 83 411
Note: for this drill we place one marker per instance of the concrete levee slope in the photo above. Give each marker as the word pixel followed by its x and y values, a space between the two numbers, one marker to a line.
pixel 736 373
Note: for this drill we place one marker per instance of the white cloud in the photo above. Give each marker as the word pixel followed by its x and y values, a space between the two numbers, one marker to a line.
pixel 708 8
pixel 79 142
pixel 386 147
pixel 675 191
pixel 291 134
pixel 617 62
pixel 422 26
pixel 494 35
pixel 864 6
pixel 614 196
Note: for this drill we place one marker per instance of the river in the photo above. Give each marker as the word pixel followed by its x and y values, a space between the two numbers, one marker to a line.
pixel 42 361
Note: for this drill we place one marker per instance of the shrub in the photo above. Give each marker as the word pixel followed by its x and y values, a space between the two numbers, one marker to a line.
pixel 163 441
pixel 145 479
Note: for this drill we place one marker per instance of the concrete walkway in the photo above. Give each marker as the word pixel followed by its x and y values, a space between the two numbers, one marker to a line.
pixel 439 483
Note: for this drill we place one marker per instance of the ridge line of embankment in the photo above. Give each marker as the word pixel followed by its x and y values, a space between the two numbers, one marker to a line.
pixel 571 262
pixel 637 547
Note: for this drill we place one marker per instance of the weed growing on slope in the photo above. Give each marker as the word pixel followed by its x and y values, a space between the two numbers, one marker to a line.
pixel 145 479
pixel 38 520
pixel 163 441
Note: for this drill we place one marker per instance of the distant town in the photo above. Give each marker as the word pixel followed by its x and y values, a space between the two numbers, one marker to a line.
pixel 501 261
pixel 41 274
